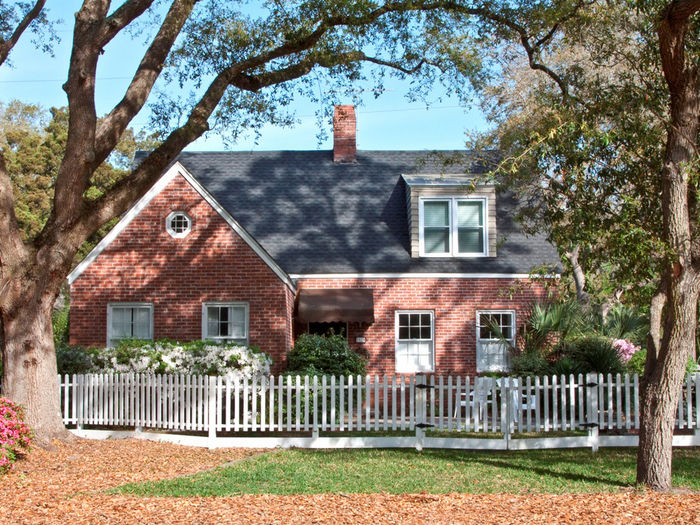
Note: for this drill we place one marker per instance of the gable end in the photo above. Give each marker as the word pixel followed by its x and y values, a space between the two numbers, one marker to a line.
pixel 175 170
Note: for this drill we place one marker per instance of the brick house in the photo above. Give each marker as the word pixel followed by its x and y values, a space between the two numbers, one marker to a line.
pixel 397 250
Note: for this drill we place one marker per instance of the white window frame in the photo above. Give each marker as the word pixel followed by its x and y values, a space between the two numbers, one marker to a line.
pixel 431 367
pixel 454 231
pixel 110 306
pixel 169 228
pixel 205 324
pixel 479 340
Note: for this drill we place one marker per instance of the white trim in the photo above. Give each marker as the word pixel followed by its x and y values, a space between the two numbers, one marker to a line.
pixel 376 442
pixel 453 203
pixel 128 305
pixel 165 179
pixel 169 225
pixel 432 340
pixel 296 276
pixel 246 307
pixel 479 340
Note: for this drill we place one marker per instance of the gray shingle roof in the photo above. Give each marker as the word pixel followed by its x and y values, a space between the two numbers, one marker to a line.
pixel 314 216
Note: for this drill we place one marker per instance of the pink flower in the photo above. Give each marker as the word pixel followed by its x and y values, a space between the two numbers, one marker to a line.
pixel 625 349
pixel 15 436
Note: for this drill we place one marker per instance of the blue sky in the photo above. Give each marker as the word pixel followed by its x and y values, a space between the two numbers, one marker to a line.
pixel 389 122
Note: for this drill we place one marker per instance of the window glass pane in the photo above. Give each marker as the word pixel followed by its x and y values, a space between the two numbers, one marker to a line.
pixel 425 320
pixel 485 324
pixel 121 322
pixel 403 332
pixel 224 321
pixel 436 240
pixel 415 332
pixel 469 214
pixel 425 332
pixel 142 323
pixel 471 241
pixel 415 319
pixel 403 319
pixel 212 321
pixel 436 213
pixel 238 322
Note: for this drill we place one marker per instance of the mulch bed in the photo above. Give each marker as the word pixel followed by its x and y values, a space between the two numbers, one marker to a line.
pixel 65 485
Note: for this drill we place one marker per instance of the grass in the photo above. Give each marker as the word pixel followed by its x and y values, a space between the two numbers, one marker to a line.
pixel 433 471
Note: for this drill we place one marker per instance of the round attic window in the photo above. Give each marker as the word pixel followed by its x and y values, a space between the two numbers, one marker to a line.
pixel 178 224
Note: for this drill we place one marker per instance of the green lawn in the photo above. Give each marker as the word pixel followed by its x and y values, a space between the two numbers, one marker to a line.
pixel 432 471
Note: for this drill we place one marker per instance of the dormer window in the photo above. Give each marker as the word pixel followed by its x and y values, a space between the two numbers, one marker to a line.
pixel 453 227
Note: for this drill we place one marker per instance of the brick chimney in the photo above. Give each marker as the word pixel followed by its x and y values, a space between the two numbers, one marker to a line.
pixel 344 135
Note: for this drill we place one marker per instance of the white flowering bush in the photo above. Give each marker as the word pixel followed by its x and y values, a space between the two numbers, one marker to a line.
pixel 198 357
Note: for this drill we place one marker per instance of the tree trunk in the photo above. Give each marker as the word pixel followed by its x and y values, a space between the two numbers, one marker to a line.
pixel 661 385
pixel 663 377
pixel 29 374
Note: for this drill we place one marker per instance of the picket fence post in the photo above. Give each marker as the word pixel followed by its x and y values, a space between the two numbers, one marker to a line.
pixel 212 403
pixel 506 410
pixel 592 412
pixel 421 399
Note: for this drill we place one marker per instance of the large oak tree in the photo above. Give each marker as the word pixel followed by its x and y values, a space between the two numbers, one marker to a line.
pixel 608 145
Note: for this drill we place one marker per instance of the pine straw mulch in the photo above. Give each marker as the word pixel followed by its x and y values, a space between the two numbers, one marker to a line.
pixel 65 485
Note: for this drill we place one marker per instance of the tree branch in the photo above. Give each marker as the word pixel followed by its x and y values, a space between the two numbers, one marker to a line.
pixel 128 190
pixel 113 125
pixel 32 14
pixel 122 17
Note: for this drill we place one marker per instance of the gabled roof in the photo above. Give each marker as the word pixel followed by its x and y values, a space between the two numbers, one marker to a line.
pixel 313 216
pixel 177 169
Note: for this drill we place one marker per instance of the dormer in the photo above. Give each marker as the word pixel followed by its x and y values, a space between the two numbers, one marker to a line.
pixel 450 216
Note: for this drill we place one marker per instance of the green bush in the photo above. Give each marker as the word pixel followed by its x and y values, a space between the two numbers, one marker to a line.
pixel 529 363
pixel 60 325
pixel 593 354
pixel 76 359
pixel 636 364
pixel 565 366
pixel 321 355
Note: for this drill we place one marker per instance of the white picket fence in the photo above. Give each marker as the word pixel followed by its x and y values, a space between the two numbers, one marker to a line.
pixel 283 411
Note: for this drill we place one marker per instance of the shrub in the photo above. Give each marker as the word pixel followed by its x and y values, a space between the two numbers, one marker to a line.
pixel 15 436
pixel 164 356
pixel 76 359
pixel 60 325
pixel 321 355
pixel 594 354
pixel 529 363
pixel 636 364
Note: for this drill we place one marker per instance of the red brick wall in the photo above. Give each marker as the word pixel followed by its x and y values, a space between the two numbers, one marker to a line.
pixel 454 302
pixel 213 263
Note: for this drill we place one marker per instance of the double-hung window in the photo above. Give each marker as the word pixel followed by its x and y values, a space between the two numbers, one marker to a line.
pixel 129 321
pixel 225 322
pixel 415 341
pixel 453 227
pixel 495 335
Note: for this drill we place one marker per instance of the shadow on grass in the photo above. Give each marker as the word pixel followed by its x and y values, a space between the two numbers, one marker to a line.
pixel 535 461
